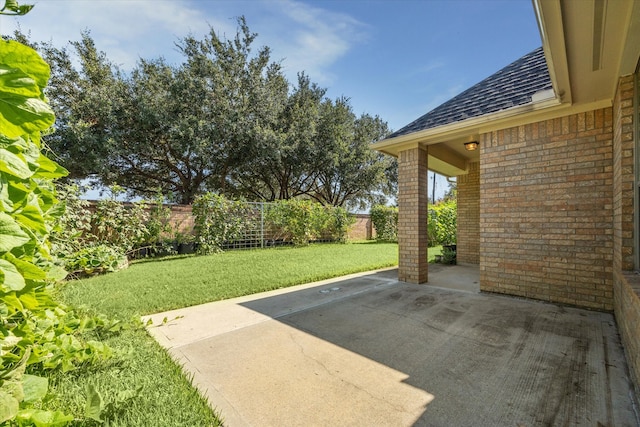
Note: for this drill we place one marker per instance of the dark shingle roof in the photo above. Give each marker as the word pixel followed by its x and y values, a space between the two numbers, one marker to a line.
pixel 510 87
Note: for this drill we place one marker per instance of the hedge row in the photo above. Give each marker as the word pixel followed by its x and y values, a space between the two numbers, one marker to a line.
pixel 220 222
pixel 441 225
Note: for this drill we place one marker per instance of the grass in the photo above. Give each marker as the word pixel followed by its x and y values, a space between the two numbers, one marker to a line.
pixel 164 397
pixel 432 252
pixel 154 286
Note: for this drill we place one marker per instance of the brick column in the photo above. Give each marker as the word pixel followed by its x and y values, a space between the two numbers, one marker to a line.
pixel 468 226
pixel 412 215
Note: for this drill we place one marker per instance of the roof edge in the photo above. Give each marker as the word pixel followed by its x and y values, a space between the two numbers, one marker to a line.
pixel 549 17
pixel 516 116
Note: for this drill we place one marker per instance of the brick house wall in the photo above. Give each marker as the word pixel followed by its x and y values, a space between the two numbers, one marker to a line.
pixel 626 284
pixel 546 207
pixel 468 225
pixel 623 175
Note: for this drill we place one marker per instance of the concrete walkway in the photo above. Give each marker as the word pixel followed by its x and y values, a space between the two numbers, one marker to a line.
pixel 367 350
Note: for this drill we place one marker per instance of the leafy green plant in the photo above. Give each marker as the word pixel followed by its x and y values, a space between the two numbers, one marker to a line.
pixel 36 333
pixel 338 224
pixel 70 230
pixel 303 221
pixel 442 223
pixel 448 255
pixel 219 220
pixel 159 220
pixel 118 225
pixel 94 260
pixel 385 222
pixel 294 219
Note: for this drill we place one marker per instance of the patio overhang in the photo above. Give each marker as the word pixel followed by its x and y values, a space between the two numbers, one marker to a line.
pixel 588 45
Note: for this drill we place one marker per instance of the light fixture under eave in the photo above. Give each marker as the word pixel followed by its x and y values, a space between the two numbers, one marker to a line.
pixel 471 146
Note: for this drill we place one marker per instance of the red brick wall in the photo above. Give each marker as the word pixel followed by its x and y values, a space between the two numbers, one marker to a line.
pixel 468 226
pixel 546 210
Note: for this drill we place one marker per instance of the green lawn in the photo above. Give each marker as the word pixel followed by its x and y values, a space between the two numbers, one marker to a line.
pixel 159 285
pixel 165 397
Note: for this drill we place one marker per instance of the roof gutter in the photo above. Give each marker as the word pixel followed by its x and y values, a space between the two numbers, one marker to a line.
pixel 549 17
pixel 476 125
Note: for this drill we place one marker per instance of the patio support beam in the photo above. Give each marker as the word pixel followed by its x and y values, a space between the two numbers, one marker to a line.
pixel 412 215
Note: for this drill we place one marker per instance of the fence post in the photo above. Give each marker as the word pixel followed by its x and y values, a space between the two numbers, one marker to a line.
pixel 262 225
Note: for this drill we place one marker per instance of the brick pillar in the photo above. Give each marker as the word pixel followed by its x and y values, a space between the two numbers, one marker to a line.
pixel 412 215
pixel 468 225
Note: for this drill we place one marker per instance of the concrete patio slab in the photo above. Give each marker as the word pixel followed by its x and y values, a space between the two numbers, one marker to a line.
pixel 368 350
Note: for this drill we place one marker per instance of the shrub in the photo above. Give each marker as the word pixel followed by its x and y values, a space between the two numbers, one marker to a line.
pixel 111 223
pixel 441 226
pixel 69 231
pixel 94 260
pixel 294 220
pixel 303 221
pixel 117 225
pixel 385 222
pixel 339 223
pixel 219 220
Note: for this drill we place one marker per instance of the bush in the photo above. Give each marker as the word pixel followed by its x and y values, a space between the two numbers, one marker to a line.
pixel 385 222
pixel 219 220
pixel 442 223
pixel 80 230
pixel 117 225
pixel 95 260
pixel 303 221
pixel 339 223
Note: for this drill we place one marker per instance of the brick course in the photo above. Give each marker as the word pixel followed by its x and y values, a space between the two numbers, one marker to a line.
pixel 468 225
pixel 546 204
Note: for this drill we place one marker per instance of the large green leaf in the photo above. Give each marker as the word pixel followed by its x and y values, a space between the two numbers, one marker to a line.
pixel 16 81
pixel 8 406
pixel 30 216
pixel 34 387
pixel 12 235
pixel 13 280
pixel 28 270
pixel 93 407
pixel 40 418
pixel 11 7
pixel 17 55
pixel 49 169
pixel 14 165
pixel 20 115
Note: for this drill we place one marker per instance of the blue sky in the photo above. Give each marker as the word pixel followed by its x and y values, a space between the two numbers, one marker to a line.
pixel 394 58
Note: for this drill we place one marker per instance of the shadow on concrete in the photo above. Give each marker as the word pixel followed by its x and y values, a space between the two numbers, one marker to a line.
pixel 369 350
pixel 487 360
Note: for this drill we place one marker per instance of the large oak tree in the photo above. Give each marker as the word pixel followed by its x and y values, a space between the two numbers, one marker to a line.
pixel 224 120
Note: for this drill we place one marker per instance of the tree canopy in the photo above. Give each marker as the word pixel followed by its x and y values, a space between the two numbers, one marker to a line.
pixel 224 120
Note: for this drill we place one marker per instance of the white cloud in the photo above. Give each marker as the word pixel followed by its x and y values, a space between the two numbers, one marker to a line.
pixel 316 39
pixel 124 29
pixel 305 37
